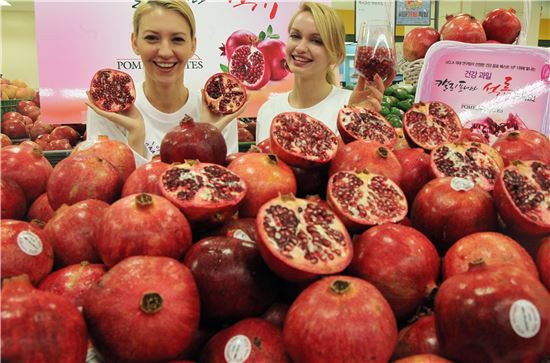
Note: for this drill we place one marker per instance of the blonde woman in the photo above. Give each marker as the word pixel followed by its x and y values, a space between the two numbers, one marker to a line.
pixel 314 50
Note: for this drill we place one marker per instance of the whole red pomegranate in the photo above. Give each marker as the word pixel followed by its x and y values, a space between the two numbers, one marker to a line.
pixel 241 228
pixel 322 324
pixel 12 115
pixel 38 326
pixel 144 309
pixel 423 358
pixel 417 42
pixel 236 39
pixel 264 146
pixel 502 25
pixel 463 28
pixel 25 249
pixel 250 66
pixel 224 93
pixel 276 314
pixel 14 204
pixel 523 145
pixel 14 128
pixel 5 140
pixel 142 225
pixel 40 128
pixel 543 261
pixel 415 166
pixel 40 209
pixel 274 51
pixel 65 132
pixel 418 337
pixel 493 314
pixel 193 140
pixel 359 123
pixel 112 90
pixel 145 179
pixel 22 104
pixel 59 144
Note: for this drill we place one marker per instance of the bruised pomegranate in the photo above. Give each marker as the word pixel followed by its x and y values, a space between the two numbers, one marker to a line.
pixel 40 209
pixel 522 197
pixel 362 199
pixel 493 314
pixel 543 262
pixel 418 337
pixel 142 225
pixel 38 326
pixel 13 202
pixel 249 65
pixel 144 309
pixel 193 140
pixel 145 179
pixel 300 239
pixel 416 171
pixel 463 28
pixel 502 25
pixel 356 123
pixel 372 60
pixel 236 39
pixel 301 140
pixel 224 94
pixel 274 51
pixel 340 319
pixel 430 124
pixel 417 42
pixel 523 145
pixel 112 90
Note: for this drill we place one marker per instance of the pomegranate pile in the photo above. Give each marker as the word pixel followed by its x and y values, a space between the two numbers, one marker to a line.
pixel 421 244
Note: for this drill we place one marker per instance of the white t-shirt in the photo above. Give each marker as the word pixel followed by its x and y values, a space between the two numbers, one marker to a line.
pixel 157 124
pixel 325 111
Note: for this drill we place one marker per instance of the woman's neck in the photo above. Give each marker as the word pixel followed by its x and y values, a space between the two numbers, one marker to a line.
pixel 167 99
pixel 308 92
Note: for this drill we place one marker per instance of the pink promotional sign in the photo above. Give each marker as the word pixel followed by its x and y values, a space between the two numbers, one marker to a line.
pixel 77 38
pixel 490 86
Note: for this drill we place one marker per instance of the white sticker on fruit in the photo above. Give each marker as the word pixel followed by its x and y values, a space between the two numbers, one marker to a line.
pixel 240 234
pixel 237 349
pixel 29 243
pixel 461 184
pixel 525 318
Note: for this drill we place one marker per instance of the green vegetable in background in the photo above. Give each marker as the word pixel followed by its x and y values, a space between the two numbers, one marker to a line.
pixel 394 120
pixel 390 100
pixel 385 110
pixel 396 111
pixel 401 93
pixel 405 105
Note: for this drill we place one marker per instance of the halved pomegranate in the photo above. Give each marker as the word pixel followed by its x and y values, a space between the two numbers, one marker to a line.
pixel 224 93
pixel 430 124
pixel 301 140
pixel 248 64
pixel 203 191
pixel 112 90
pixel 301 239
pixel 356 123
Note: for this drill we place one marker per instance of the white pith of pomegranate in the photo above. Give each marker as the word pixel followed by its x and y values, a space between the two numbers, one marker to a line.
pixel 301 140
pixel 430 124
pixel 466 160
pixel 248 64
pixel 203 191
pixel 360 123
pixel 363 199
pixel 224 94
pixel 112 90
pixel 301 239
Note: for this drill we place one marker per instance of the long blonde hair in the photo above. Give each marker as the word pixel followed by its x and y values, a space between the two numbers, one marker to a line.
pixel 180 6
pixel 332 32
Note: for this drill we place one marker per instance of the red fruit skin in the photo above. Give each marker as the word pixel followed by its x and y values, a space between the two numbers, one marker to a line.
pixel 13 202
pixel 417 41
pixel 400 262
pixel 40 209
pixel 40 327
pixel 321 324
pixel 21 105
pixel 120 325
pixel 463 28
pixel 12 115
pixel 72 231
pixel 274 51
pixel 543 262
pixel 74 281
pixel 5 140
pixel 470 136
pixel 502 25
pixel 276 314
pixel 60 144
pixel 265 146
pixel 145 179
pixel 244 135
pixel 14 128
pixel 418 337
pixel 523 145
pixel 476 327
pixel 25 250
pixel 423 358
pixel 415 171
pixel 445 215
pixel 142 225
pixel 236 39
pixel 40 128
pixel 65 132
pixel 494 248
pixel 241 228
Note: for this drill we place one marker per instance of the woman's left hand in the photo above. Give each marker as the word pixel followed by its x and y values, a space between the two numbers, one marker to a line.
pixel 216 119
pixel 368 94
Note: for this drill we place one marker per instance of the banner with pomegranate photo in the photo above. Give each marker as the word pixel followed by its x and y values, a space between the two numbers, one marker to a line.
pixel 77 38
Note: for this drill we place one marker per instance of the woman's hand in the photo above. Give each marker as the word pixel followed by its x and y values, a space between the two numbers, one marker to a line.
pixel 368 94
pixel 218 120
pixel 131 120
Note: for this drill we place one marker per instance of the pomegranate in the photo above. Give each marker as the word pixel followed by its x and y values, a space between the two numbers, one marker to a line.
pixel 13 202
pixel 356 123
pixel 447 209
pixel 142 225
pixel 522 197
pixel 72 231
pixel 492 129
pixel 276 314
pixel 310 181
pixel 523 145
pixel 418 337
pixel 543 262
pixel 25 250
pixel 241 228
pixel 112 90
pixel 322 324
pixel 276 178
pixel 232 279
pixel 33 112
pixel 144 309
pixel 274 51
pixel 502 25
pixel 236 39
pixel 249 340
pixel 22 104
pixel 38 326
pixel 224 94
pixel 300 239
pixel 417 42
pixel 250 66
pixel 191 140
pixel 65 132
pixel 203 191
pixel 430 124
pixel 463 28
pixel 467 160
pixel 40 209
pixel 43 141
pixel 5 140
pixel 372 60
pixel 265 146
pixel 493 314
pixel 14 128
pixel 244 135
pixel 60 144
pixel 401 142
pixel 469 134
pixel 145 179
pixel 416 171
pixel 12 115
pixel 423 358
pixel 83 177
pixel 362 199
pixel 74 281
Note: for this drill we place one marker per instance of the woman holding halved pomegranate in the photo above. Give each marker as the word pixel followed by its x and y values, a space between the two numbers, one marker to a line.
pixel 315 47
pixel 164 37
